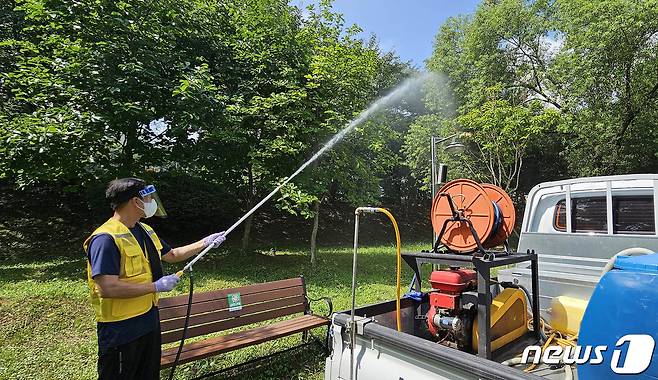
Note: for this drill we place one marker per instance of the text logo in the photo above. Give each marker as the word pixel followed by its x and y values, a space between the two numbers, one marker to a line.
pixel 636 349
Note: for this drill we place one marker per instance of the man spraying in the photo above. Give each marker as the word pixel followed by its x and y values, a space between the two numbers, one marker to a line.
pixel 124 273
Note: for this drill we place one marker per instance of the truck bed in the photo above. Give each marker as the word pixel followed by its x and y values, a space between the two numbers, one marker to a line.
pixel 381 352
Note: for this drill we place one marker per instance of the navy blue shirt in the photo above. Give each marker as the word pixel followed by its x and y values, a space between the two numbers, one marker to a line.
pixel 105 259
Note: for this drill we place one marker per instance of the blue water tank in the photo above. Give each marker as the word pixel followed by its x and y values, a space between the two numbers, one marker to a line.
pixel 623 315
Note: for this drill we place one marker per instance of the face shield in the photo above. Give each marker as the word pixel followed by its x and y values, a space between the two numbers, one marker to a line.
pixel 149 191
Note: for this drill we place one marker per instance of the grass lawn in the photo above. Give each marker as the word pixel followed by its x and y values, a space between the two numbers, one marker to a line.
pixel 47 329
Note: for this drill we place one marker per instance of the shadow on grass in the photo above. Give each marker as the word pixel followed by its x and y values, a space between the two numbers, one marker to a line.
pixel 376 266
pixel 229 267
pixel 293 363
pixel 43 269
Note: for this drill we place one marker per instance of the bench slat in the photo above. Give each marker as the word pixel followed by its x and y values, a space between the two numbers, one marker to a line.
pixel 165 303
pixel 222 303
pixel 234 341
pixel 225 314
pixel 290 324
pixel 172 336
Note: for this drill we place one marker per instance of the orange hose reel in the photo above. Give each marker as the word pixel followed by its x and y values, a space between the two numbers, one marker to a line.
pixel 472 202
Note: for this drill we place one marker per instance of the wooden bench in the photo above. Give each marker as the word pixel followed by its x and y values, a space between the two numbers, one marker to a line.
pixel 210 314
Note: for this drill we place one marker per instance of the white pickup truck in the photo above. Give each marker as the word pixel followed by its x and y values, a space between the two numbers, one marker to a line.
pixel 575 227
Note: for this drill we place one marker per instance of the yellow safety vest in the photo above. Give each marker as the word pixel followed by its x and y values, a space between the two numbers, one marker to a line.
pixel 135 268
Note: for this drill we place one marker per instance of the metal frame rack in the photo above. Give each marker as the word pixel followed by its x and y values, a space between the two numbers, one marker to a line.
pixel 483 265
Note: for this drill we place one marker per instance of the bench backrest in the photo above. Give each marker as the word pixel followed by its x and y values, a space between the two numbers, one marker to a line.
pixel 210 310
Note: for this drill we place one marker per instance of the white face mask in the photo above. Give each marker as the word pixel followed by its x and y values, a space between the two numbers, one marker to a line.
pixel 150 208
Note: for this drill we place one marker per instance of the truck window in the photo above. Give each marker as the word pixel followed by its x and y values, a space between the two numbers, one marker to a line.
pixel 588 214
pixel 633 215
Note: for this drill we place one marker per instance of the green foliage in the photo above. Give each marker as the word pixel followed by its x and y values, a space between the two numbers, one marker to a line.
pixel 295 201
pixel 417 147
pixel 230 97
pixel 608 63
pixel 499 135
pixel 346 74
pixel 567 86
pixel 237 94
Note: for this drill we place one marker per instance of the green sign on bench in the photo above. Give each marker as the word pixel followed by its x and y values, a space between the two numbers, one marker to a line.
pixel 234 302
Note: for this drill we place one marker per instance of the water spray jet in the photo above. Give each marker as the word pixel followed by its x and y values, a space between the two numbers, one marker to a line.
pixel 395 95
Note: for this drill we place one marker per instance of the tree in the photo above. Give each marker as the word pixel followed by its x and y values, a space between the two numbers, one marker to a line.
pixel 43 125
pixel 345 75
pixel 499 135
pixel 234 94
pixel 552 55
pixel 607 67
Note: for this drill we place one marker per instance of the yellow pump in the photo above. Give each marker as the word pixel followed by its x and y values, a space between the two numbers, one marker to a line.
pixel 509 319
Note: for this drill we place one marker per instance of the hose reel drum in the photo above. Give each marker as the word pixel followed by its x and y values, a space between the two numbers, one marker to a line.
pixel 468 216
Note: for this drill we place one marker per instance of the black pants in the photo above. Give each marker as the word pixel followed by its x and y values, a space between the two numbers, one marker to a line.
pixel 139 360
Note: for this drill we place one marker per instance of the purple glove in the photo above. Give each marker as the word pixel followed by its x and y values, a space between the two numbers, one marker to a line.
pixel 215 239
pixel 166 283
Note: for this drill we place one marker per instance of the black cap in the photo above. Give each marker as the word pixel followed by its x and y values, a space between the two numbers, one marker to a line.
pixel 121 190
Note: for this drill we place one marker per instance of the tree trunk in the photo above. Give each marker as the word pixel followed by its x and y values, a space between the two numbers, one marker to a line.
pixel 250 199
pixel 314 233
pixel 247 232
pixel 129 148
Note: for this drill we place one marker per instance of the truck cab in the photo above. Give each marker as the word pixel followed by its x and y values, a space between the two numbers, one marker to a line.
pixel 606 215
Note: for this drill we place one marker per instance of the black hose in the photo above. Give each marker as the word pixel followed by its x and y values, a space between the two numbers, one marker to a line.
pixel 527 294
pixel 185 326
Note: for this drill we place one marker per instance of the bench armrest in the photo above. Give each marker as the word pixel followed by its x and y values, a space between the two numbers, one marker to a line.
pixel 326 299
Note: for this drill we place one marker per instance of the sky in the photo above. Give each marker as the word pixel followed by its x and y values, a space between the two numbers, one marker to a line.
pixel 406 26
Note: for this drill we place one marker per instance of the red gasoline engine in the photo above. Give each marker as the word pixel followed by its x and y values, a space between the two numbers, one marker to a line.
pixel 453 305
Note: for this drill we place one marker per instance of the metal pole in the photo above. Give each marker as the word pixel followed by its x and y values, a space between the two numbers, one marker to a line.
pixel 248 214
pixel 242 219
pixel 352 325
pixel 433 179
pixel 536 307
pixel 484 309
pixel 433 176
pixel 357 212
